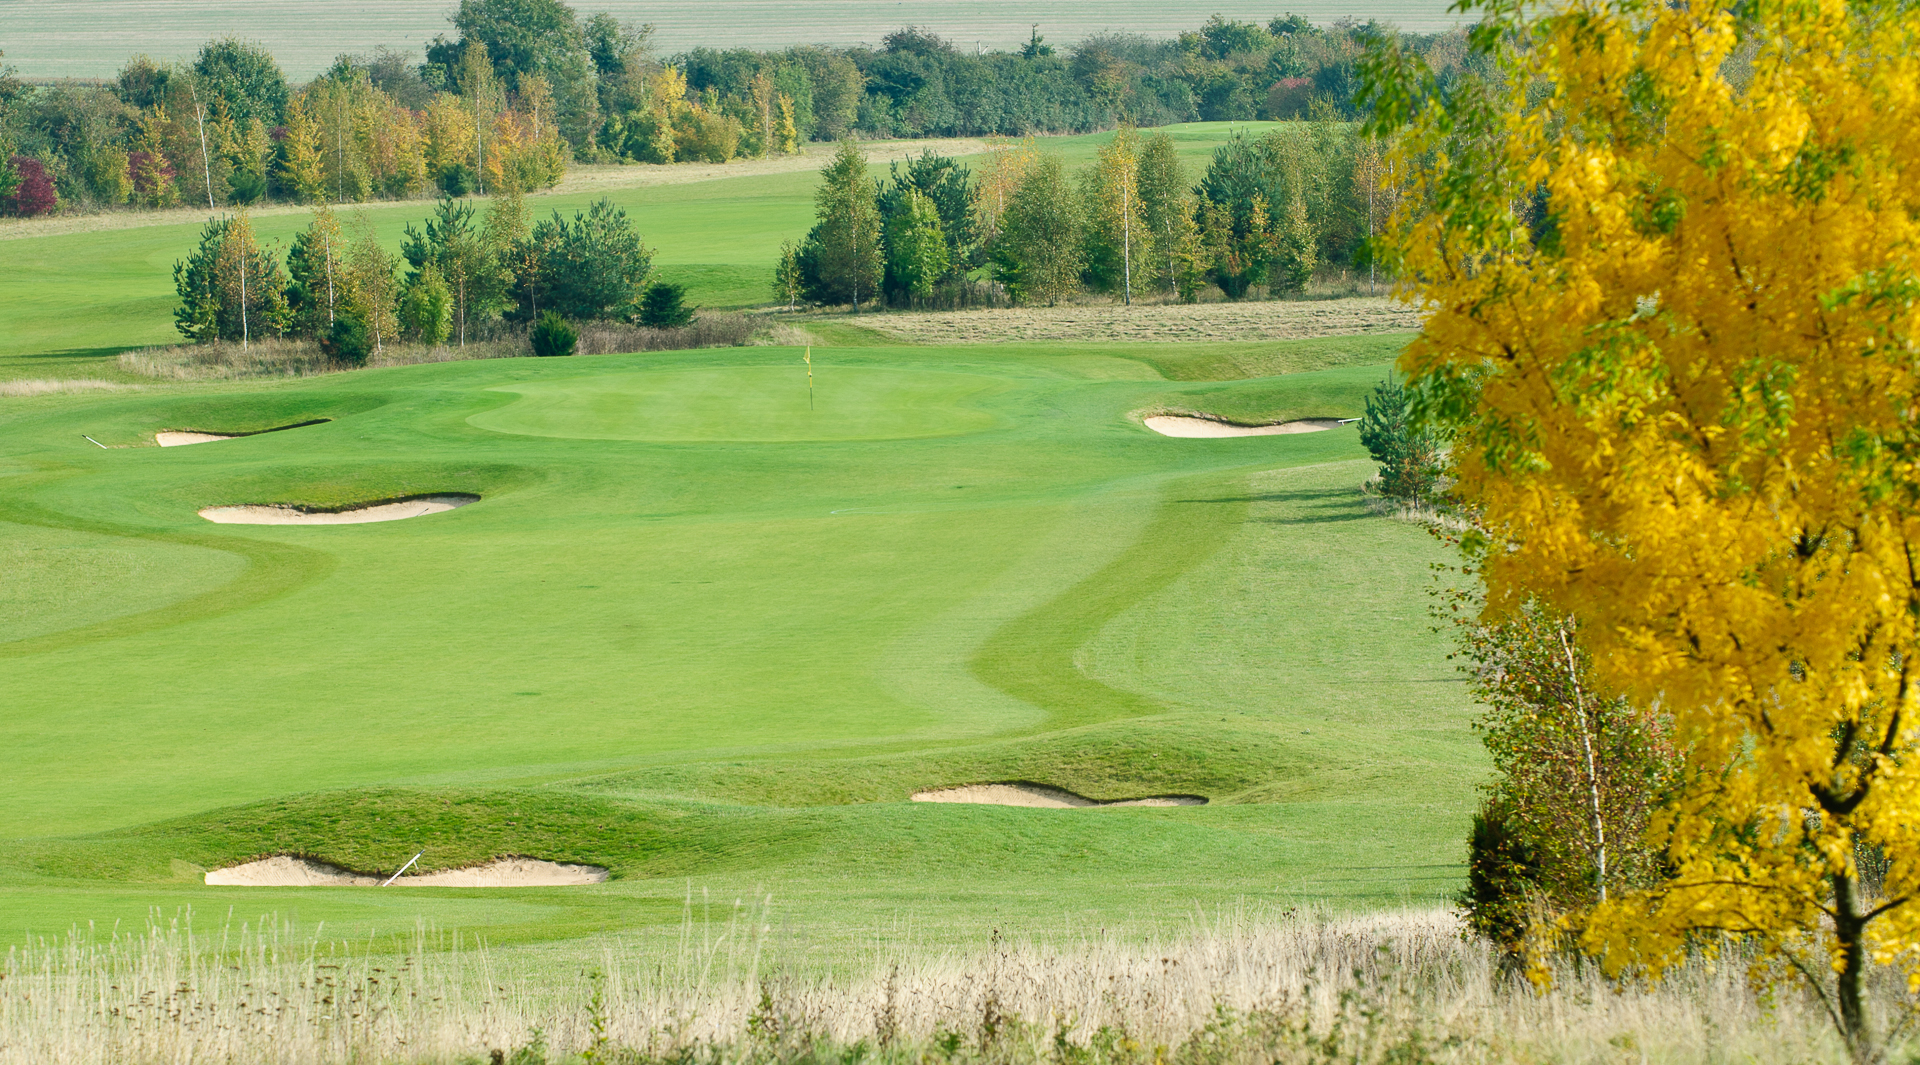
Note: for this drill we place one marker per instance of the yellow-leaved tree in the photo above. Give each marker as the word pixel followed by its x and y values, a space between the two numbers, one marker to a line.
pixel 1669 257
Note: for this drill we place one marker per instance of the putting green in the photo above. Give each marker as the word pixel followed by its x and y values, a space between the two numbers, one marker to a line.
pixel 706 639
pixel 747 403
pixel 62 579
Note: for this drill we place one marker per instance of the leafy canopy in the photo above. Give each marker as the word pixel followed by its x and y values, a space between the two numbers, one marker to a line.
pixel 1675 320
pixel 589 266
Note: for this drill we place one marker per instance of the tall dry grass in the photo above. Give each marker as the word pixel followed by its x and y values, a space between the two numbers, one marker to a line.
pixel 39 386
pixel 303 358
pixel 1401 988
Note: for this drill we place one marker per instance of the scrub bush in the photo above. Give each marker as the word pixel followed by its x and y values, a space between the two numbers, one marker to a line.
pixel 551 335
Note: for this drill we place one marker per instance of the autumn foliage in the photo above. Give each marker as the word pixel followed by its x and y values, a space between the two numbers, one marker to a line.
pixel 1670 262
pixel 32 192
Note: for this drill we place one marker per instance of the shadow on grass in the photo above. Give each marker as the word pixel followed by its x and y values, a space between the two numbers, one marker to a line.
pixel 63 356
pixel 1311 506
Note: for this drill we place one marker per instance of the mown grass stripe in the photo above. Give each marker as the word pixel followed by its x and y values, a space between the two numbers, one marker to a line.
pixel 1031 657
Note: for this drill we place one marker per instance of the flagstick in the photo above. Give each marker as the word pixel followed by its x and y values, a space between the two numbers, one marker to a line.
pixel 809 376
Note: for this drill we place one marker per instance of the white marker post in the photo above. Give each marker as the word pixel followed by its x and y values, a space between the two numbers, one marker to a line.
pixel 809 358
pixel 403 869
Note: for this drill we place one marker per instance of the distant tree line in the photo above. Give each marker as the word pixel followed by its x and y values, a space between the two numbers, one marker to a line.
pixel 1267 213
pixel 525 86
pixel 228 130
pixel 457 274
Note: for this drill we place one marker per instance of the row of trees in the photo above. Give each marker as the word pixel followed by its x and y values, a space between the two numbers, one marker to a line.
pixel 1267 213
pixel 526 85
pixel 228 130
pixel 456 273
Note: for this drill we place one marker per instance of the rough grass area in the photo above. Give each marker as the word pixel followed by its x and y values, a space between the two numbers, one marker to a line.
pixel 44 387
pixel 1396 988
pixel 1176 323
pixel 303 358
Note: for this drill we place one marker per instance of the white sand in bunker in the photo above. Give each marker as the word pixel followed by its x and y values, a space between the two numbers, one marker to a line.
pixel 1040 796
pixel 286 871
pixel 1207 428
pixel 176 439
pixel 391 510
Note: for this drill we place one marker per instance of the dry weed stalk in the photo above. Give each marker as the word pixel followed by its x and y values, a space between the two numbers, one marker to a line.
pixel 303 358
pixel 1402 987
pixel 43 386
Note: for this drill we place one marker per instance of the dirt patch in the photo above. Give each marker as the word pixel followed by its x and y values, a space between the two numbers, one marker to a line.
pixel 387 510
pixel 1189 427
pixel 1155 323
pixel 286 871
pixel 1041 796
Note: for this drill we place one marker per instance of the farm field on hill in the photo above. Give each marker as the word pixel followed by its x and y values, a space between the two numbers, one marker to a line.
pixel 708 638
pixel 91 38
pixel 82 291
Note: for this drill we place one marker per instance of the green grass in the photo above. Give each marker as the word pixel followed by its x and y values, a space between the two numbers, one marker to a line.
pixel 713 641
pixel 71 302
pixel 701 633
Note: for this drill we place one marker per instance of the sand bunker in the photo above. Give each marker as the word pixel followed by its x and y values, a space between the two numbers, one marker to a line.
pixel 1042 797
pixel 1207 428
pixel 285 871
pixel 391 510
pixel 179 437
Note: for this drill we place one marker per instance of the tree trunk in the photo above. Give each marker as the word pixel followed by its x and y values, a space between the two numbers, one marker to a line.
pixel 246 338
pixel 1849 927
pixel 1595 813
pixel 200 120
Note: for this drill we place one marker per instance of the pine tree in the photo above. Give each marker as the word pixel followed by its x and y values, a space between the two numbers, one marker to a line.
pixel 426 310
pixel 230 288
pixel 465 257
pixel 316 267
pixel 916 247
pixel 949 188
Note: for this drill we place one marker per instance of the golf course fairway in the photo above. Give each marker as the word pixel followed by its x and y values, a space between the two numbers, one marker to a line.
pixel 712 638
